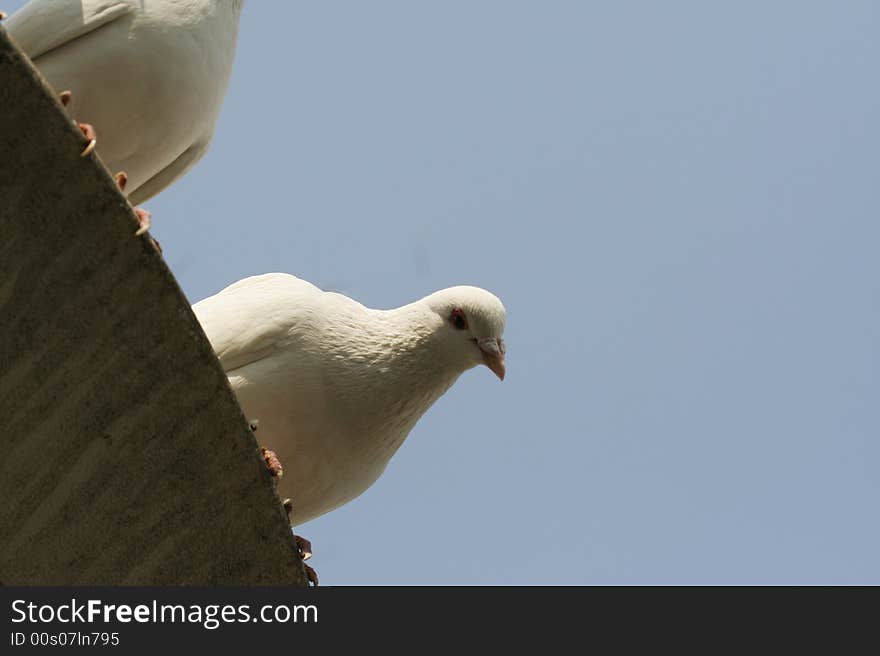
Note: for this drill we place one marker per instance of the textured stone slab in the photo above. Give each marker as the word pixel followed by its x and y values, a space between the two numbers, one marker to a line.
pixel 124 457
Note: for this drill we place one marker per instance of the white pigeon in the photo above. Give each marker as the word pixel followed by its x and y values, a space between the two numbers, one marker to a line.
pixel 150 75
pixel 336 386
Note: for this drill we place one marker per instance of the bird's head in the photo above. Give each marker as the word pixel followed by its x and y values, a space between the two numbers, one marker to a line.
pixel 471 326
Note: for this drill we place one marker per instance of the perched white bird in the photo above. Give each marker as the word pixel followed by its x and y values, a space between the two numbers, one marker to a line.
pixel 337 386
pixel 149 74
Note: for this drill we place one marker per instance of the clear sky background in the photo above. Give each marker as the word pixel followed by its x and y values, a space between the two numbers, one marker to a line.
pixel 678 204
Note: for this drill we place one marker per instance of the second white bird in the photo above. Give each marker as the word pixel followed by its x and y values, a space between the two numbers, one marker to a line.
pixel 150 76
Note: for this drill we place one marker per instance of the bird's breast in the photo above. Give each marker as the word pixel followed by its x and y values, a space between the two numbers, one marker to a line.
pixel 329 453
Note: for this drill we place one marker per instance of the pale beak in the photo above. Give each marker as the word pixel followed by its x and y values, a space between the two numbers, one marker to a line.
pixel 493 354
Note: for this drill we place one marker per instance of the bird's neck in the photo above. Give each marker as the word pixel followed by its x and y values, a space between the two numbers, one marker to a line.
pixel 396 366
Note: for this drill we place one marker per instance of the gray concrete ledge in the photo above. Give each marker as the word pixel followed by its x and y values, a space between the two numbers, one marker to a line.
pixel 124 457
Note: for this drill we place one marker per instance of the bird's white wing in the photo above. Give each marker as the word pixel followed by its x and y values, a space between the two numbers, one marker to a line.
pixel 43 25
pixel 254 317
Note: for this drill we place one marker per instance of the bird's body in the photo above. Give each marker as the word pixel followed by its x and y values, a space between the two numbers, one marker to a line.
pixel 151 76
pixel 336 386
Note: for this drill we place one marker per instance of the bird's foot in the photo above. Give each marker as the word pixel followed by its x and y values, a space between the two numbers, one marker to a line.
pixel 144 222
pixel 273 464
pixel 144 218
pixel 65 98
pixel 90 134
pixel 303 546
pixel 305 552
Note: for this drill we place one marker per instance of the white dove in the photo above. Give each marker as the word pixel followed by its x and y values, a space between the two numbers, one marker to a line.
pixel 336 386
pixel 150 74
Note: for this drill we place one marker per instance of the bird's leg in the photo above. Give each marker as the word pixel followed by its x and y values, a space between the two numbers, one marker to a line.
pixel 143 216
pixel 303 546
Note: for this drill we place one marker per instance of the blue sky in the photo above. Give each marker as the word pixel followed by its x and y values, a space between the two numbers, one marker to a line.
pixel 678 204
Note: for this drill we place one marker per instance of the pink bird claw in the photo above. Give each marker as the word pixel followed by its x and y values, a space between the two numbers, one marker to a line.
pixel 90 134
pixel 145 220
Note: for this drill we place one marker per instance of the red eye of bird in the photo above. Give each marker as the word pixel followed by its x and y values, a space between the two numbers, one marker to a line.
pixel 458 319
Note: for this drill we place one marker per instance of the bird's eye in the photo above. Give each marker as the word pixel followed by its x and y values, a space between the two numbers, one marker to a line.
pixel 458 319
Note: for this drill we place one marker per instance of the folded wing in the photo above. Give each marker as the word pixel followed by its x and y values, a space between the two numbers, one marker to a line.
pixel 255 317
pixel 44 25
